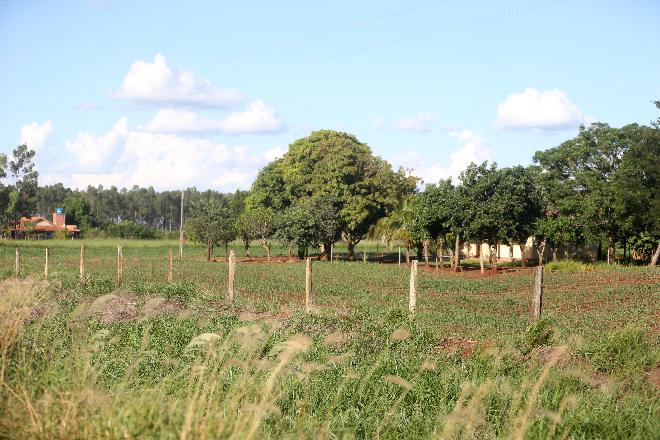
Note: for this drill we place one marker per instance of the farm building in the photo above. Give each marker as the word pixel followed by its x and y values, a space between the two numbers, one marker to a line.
pixel 37 226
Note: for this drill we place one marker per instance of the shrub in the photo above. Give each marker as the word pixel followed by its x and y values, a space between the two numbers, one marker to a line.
pixel 537 335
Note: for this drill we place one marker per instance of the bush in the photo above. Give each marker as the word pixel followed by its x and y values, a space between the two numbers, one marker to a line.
pixel 129 229
pixel 537 335
pixel 568 266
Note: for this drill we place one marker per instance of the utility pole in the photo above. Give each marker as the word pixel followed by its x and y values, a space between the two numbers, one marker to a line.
pixel 181 231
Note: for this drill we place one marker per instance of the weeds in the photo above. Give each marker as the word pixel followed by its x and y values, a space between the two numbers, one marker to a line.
pixel 161 360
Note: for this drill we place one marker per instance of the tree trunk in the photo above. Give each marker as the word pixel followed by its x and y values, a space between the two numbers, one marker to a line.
pixel 441 253
pixel 654 260
pixel 325 252
pixel 481 258
pixel 426 252
pixel 301 253
pixel 266 246
pixel 351 250
pixel 554 253
pixel 541 251
pixel 457 253
pixel 227 252
pixel 493 257
pixel 209 250
pixel 611 249
pixel 407 254
pixel 523 247
pixel 513 260
pixel 246 244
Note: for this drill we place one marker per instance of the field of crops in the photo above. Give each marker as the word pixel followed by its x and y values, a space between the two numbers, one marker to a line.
pixel 175 360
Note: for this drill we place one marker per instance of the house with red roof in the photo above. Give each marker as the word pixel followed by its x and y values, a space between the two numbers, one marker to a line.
pixel 39 227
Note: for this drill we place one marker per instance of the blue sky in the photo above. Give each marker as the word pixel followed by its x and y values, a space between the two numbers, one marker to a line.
pixel 178 94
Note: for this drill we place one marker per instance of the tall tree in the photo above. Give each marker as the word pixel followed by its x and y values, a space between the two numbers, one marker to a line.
pixel 334 165
pixel 25 183
pixel 580 173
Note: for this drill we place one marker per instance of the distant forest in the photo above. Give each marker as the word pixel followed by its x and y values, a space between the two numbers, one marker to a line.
pixel 138 212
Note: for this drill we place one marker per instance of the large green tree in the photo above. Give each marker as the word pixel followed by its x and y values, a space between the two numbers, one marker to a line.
pixel 580 177
pixel 335 166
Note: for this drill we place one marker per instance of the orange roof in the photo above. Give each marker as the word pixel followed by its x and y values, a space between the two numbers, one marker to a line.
pixel 40 224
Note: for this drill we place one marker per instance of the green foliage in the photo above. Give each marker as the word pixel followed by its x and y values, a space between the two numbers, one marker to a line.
pixel 301 228
pixel 537 334
pixel 603 182
pixel 622 351
pixel 129 229
pixel 329 165
pixel 78 212
pixel 644 245
pixel 212 224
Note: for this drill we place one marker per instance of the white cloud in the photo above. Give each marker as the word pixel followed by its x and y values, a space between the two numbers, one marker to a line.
pixel 419 123
pixel 539 111
pixel 473 148
pixel 155 83
pixel 93 151
pixel 274 153
pixel 35 135
pixel 377 122
pixel 257 119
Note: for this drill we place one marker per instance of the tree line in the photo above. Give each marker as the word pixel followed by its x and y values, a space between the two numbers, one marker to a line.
pixel 599 188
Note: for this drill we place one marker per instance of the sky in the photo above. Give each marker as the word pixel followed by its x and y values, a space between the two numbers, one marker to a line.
pixel 175 94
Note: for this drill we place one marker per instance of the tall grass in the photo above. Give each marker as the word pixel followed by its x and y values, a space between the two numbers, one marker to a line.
pixel 203 372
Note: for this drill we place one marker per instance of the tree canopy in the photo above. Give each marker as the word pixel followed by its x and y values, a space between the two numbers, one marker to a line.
pixel 331 165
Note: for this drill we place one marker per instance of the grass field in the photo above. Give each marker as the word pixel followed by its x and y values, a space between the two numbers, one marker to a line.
pixel 160 360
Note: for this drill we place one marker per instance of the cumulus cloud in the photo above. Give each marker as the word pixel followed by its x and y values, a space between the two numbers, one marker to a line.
pixel 155 83
pixel 257 119
pixel 539 111
pixel 36 135
pixel 93 151
pixel 123 157
pixel 472 148
pixel 419 123
pixel 274 153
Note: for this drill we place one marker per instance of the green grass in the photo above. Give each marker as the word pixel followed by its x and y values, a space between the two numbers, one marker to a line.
pixel 90 360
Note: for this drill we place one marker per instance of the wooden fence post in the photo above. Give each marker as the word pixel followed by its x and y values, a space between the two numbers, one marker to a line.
pixel 537 295
pixel 332 249
pixel 82 262
pixel 17 262
pixel 308 285
pixel 412 305
pixel 364 253
pixel 399 256
pixel 120 265
pixel 170 264
pixel 47 263
pixel 232 276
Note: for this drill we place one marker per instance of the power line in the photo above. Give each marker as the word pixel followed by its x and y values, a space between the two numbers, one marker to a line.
pixel 406 38
pixel 301 40
pixel 376 45
pixel 268 49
